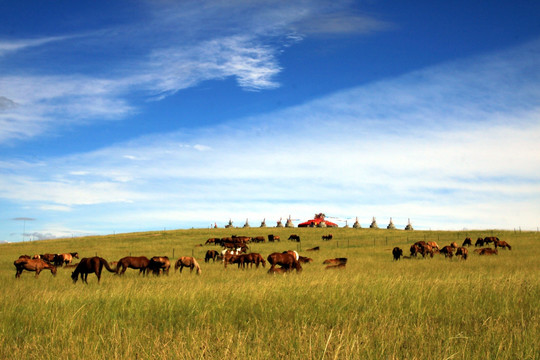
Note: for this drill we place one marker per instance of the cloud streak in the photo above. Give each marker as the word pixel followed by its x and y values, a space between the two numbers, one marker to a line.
pixel 175 50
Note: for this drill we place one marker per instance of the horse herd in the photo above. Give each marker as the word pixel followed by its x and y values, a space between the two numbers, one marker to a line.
pixel 94 265
pixel 235 252
pixel 430 248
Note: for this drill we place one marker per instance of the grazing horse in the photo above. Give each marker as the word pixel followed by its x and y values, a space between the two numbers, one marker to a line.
pixel 36 265
pixel 213 241
pixel 397 253
pixel 305 260
pixel 467 242
pixel 434 245
pixel 66 258
pixel 90 265
pixel 502 244
pixel 490 239
pixel 252 258
pixel 415 250
pixel 327 237
pixel 187 261
pixel 211 254
pixel 159 263
pixel 273 238
pixel 285 260
pixel 132 262
pixel 454 245
pixel 294 237
pixel 479 242
pixel 463 252
pixel 258 239
pixel 448 251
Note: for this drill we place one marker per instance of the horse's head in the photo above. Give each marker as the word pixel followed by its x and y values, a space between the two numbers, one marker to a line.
pixel 74 277
pixel 53 270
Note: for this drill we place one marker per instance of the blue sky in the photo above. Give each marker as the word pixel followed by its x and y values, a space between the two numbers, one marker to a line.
pixel 143 115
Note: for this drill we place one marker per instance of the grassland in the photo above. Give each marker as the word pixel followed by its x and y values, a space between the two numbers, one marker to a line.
pixel 481 308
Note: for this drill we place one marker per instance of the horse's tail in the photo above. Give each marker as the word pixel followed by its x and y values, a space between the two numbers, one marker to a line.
pixel 197 266
pixel 107 266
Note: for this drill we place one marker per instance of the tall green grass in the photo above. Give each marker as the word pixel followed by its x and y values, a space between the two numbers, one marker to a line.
pixel 481 308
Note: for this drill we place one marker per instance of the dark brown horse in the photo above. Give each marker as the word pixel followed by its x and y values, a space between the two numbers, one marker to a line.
pixel 36 265
pixel 467 242
pixel 159 264
pixel 132 262
pixel 187 261
pixel 285 260
pixel 90 265
pixel 448 251
pixel 211 254
pixel 397 253
pixel 327 237
pixel 463 252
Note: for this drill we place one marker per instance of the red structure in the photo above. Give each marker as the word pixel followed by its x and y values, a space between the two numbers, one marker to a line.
pixel 316 221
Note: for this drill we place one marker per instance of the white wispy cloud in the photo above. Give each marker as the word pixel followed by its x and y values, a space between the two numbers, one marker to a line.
pixel 7 47
pixel 181 45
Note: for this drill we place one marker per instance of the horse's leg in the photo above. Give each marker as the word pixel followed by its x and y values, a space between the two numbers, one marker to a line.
pixel 38 270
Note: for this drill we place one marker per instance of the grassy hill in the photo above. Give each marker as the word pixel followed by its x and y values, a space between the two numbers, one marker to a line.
pixel 481 308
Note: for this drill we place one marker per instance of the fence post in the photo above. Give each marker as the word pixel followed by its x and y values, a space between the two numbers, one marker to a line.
pixel 173 253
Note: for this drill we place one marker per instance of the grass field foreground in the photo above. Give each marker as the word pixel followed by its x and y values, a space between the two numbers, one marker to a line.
pixel 375 308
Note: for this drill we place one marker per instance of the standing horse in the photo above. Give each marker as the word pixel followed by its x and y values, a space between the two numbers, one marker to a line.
pixel 285 260
pixel 90 265
pixel 36 265
pixel 132 262
pixel 187 261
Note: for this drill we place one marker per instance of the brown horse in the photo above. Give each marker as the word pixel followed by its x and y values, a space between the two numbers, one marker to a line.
pixel 285 260
pixel 502 244
pixel 90 265
pixel 467 242
pixel 187 261
pixel 132 262
pixel 252 258
pixel 159 263
pixel 36 265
